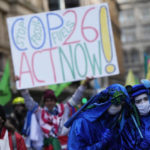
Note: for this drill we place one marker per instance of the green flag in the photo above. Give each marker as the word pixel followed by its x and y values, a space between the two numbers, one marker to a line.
pixel 58 88
pixel 54 87
pixel 5 92
pixel 146 62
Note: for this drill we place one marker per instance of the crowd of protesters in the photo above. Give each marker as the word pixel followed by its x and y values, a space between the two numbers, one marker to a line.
pixel 43 127
pixel 117 118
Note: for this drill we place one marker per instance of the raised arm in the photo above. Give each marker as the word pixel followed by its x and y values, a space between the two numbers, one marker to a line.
pixel 77 96
pixel 29 102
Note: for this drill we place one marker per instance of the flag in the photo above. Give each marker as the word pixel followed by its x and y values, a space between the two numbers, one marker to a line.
pixel 146 63
pixel 58 88
pixel 96 85
pixel 148 71
pixel 5 91
pixel 54 87
pixel 131 79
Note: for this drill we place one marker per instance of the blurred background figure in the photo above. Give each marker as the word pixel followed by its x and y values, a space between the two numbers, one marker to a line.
pixel 9 140
pixel 17 117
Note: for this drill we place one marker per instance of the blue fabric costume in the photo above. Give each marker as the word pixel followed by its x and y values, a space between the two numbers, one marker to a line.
pixel 130 135
pixel 93 128
pixel 142 144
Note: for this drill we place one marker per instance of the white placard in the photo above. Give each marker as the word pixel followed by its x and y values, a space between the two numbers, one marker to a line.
pixel 61 46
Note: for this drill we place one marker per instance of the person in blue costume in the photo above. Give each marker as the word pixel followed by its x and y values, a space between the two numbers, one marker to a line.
pixel 140 99
pixel 98 124
pixel 131 134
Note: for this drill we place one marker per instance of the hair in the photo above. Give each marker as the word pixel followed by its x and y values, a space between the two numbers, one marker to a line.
pixel 49 94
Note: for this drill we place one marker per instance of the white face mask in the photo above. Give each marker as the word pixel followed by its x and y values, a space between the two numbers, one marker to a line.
pixel 113 109
pixel 142 104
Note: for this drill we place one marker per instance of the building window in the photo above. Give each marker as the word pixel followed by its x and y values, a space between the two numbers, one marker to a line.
pixel 145 13
pixel 122 17
pixel 146 31
pixel 54 4
pixel 126 57
pixel 134 55
pixel 130 15
pixel 128 35
pixel 123 37
pixel 126 16
pixel 71 3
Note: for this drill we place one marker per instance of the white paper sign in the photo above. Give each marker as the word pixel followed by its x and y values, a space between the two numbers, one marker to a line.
pixel 61 46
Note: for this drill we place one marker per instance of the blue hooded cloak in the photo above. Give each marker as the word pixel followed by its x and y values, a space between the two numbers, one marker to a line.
pixel 92 128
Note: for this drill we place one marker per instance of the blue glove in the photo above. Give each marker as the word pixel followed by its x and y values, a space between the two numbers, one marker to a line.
pixel 107 136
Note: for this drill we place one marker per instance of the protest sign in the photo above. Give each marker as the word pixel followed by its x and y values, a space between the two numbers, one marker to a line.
pixel 61 46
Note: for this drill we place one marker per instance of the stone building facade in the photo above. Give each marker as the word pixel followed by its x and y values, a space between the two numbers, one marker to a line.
pixel 135 28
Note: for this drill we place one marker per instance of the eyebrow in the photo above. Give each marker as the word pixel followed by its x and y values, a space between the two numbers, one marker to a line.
pixel 138 99
pixel 141 98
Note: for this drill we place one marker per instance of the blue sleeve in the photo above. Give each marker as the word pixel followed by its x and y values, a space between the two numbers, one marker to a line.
pixel 145 143
pixel 81 137
pixel 128 136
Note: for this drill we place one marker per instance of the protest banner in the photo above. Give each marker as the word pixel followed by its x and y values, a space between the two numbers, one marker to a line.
pixel 61 46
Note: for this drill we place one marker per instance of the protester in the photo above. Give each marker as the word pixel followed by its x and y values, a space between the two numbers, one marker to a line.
pixel 51 118
pixel 140 99
pixel 17 117
pixel 9 140
pixel 99 123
